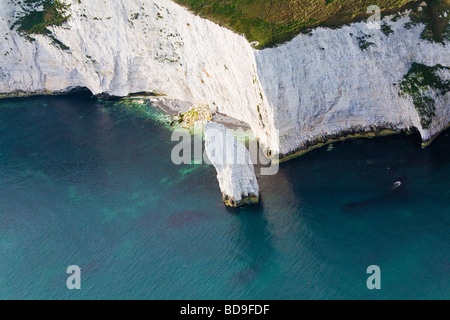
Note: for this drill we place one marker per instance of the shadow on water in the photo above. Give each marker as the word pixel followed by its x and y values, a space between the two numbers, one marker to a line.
pixel 419 165
pixel 397 194
pixel 253 242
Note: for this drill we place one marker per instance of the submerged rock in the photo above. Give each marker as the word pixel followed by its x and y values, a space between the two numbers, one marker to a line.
pixel 233 164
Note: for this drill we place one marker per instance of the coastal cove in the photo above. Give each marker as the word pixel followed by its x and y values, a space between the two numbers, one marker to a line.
pixel 90 182
pixel 321 84
pixel 224 150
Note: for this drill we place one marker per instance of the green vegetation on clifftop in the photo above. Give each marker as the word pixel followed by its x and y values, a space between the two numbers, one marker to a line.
pixel 437 20
pixel 271 22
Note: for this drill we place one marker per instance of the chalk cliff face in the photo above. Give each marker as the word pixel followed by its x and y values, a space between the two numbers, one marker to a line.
pixel 335 81
pixel 126 46
pixel 321 84
pixel 233 164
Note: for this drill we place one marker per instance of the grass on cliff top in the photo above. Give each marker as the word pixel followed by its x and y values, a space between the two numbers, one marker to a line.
pixel 437 20
pixel 271 22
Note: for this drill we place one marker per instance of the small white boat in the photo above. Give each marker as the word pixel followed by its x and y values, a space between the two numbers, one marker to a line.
pixel 397 185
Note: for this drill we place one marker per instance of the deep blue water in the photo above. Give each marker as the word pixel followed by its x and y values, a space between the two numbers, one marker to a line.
pixel 91 183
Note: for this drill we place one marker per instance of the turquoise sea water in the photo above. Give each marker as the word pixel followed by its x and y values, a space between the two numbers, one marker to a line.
pixel 91 183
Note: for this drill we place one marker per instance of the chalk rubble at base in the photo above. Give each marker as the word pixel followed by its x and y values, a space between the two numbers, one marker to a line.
pixel 235 170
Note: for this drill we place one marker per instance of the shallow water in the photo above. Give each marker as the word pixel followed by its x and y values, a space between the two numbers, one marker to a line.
pixel 91 183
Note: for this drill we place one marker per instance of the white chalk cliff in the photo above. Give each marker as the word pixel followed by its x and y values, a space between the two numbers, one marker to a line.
pixel 320 84
pixel 233 164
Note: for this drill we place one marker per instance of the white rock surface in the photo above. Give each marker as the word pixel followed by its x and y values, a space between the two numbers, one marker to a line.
pixel 324 83
pixel 235 170
pixel 314 85
pixel 166 50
